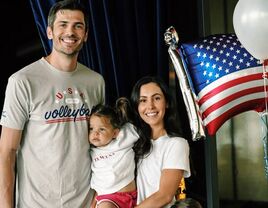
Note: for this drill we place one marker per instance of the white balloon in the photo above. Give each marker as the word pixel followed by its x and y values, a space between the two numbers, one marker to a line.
pixel 250 20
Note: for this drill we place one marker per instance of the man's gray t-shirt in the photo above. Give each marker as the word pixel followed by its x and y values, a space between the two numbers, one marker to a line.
pixel 52 107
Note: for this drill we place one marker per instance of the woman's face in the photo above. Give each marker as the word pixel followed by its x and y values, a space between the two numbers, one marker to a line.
pixel 152 105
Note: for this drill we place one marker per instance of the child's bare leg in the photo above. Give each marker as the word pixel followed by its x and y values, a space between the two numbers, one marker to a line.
pixel 106 204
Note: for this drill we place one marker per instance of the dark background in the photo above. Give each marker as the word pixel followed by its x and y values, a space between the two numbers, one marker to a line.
pixel 20 43
pixel 29 47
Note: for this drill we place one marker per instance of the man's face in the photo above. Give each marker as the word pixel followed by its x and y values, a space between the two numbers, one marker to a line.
pixel 69 32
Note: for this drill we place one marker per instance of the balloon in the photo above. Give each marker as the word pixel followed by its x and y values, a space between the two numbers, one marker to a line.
pixel 196 125
pixel 250 20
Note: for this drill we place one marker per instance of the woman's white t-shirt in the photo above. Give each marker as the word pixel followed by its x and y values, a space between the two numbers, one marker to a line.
pixel 167 153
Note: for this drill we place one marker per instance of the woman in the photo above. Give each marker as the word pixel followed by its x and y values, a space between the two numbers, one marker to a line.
pixel 162 156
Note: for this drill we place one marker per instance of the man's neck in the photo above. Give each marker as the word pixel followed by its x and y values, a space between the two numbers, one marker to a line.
pixel 62 62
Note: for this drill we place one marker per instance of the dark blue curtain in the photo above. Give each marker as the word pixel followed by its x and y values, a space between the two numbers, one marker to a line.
pixel 126 39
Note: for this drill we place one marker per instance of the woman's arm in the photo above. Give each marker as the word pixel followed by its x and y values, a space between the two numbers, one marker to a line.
pixel 169 182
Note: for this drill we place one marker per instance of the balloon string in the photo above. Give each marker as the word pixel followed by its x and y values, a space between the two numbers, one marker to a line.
pixel 264 64
pixel 264 118
pixel 265 146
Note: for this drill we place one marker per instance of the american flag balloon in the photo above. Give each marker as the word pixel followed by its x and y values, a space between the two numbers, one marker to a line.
pixel 225 77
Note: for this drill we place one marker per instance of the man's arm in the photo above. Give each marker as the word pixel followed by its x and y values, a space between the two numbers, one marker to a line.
pixel 9 143
pixel 94 201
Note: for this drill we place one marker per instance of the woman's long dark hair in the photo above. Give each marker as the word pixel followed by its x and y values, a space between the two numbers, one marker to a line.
pixel 171 123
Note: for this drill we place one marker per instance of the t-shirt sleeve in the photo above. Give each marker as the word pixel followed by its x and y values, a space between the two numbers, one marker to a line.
pixel 16 105
pixel 127 136
pixel 177 156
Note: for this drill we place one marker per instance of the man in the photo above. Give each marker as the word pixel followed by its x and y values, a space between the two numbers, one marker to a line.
pixel 44 120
